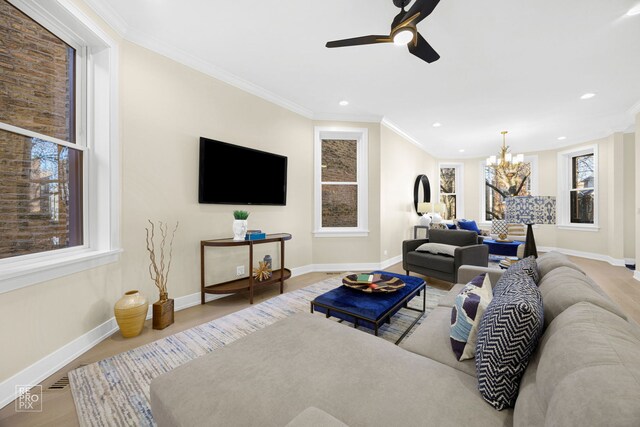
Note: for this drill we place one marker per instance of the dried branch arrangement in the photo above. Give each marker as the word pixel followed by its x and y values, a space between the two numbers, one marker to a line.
pixel 158 270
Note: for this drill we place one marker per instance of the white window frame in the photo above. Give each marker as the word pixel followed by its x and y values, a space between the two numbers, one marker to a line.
pixel 361 135
pixel 459 183
pixel 483 197
pixel 565 183
pixel 97 137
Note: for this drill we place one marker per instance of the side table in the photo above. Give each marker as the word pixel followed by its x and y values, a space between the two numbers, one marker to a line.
pixel 415 231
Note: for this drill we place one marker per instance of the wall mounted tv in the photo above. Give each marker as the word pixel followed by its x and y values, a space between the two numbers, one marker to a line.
pixel 235 175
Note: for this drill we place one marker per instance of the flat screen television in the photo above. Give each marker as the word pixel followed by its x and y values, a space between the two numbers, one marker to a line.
pixel 235 175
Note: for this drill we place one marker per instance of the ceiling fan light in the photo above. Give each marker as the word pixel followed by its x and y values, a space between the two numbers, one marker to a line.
pixel 402 37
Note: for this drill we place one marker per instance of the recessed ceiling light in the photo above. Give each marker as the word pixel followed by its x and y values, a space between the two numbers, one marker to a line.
pixel 562 138
pixel 461 150
pixel 634 11
pixel 588 96
pixel 344 103
pixel 436 124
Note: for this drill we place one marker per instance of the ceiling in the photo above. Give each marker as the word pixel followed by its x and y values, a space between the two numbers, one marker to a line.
pixel 510 65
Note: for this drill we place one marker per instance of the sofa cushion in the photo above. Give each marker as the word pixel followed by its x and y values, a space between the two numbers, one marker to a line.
pixel 526 266
pixel 449 299
pixel 313 416
pixel 437 248
pixel 469 307
pixel 431 339
pixel 440 263
pixel 268 377
pixel 507 336
pixel 552 260
pixel 563 287
pixel 585 372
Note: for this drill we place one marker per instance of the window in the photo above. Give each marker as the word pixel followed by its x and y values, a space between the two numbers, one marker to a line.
pixel 577 192
pixel 582 189
pixel 58 214
pixel 41 177
pixel 451 190
pixel 340 182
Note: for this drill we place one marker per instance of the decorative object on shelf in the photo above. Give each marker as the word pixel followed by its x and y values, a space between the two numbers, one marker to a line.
pixel 373 283
pixel 159 271
pixel 531 210
pixel 424 208
pixel 506 176
pixel 255 235
pixel 262 272
pixel 240 224
pixel 131 311
pixel 268 261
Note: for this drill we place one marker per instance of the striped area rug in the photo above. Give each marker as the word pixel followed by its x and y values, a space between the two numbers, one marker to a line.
pixel 115 391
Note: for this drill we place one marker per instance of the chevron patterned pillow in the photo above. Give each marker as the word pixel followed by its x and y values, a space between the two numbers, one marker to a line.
pixel 526 266
pixel 507 337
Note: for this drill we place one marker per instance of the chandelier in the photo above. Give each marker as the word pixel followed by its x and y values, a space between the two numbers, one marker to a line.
pixel 505 162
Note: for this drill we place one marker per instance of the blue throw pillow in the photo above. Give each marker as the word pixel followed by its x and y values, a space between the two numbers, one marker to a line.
pixel 468 225
pixel 507 337
pixel 451 226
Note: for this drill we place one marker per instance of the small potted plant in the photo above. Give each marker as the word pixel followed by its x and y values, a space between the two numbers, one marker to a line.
pixel 240 224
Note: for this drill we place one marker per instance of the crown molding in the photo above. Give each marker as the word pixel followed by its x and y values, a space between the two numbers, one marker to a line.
pixel 192 61
pixel 392 126
pixel 365 118
pixel 109 15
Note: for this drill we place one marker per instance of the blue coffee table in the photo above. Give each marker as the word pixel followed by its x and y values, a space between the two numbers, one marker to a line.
pixel 497 247
pixel 371 310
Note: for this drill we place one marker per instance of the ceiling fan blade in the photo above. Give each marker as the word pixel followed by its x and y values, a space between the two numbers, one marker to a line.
pixel 423 50
pixel 420 10
pixel 356 41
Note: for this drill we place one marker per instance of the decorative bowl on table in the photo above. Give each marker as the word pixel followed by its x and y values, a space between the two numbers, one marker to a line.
pixel 373 283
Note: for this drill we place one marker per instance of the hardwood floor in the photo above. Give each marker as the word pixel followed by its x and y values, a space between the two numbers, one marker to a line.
pixel 59 409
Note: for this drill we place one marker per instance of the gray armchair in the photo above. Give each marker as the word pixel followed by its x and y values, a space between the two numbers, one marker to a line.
pixel 470 251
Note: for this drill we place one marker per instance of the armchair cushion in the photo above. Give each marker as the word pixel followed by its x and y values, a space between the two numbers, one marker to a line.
pixel 443 264
pixel 437 248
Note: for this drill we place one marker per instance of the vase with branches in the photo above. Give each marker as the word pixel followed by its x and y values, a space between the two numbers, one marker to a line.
pixel 160 257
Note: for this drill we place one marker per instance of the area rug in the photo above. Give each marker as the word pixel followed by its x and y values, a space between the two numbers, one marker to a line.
pixel 115 391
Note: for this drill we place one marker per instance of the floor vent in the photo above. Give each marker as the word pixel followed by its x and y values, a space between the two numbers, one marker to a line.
pixel 62 383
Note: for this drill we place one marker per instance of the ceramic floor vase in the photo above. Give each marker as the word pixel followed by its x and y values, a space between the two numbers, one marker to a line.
pixel 130 312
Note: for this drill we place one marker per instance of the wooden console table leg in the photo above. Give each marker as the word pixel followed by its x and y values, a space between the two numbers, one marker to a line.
pixel 282 266
pixel 201 273
pixel 250 272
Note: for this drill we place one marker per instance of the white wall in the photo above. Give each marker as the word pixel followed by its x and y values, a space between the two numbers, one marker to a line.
pixel 401 162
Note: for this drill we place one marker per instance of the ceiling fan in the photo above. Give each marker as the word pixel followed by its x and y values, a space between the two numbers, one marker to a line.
pixel 403 31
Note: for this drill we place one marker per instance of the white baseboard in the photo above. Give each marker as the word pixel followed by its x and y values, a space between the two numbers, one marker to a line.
pixel 589 255
pixel 48 365
pixel 636 275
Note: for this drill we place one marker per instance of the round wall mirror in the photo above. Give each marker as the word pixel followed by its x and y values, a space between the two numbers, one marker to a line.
pixel 421 191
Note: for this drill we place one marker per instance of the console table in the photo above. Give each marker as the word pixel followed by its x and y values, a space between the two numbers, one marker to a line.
pixel 244 283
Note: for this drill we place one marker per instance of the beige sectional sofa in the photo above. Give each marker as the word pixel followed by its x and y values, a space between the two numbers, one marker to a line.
pixel 308 371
